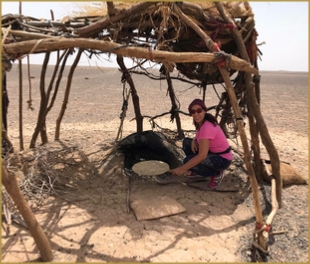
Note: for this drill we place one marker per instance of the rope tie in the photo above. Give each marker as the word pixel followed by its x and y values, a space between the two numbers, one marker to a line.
pixel 259 228
pixel 221 59
pixel 125 102
pixel 55 30
pixel 5 54
pixel 6 34
pixel 6 63
pixel 29 102
pixel 217 47
pixel 151 54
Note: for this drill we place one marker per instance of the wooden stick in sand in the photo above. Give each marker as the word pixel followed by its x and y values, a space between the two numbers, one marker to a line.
pixel 232 96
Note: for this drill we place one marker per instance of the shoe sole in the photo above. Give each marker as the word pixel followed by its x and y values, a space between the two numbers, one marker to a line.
pixel 194 176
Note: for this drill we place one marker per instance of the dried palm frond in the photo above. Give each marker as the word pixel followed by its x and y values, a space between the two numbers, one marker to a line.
pixel 90 9
pixel 239 9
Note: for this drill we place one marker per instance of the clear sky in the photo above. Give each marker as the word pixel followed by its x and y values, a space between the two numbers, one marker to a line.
pixel 283 26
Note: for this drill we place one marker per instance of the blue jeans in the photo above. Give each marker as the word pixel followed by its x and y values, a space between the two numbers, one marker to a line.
pixel 212 165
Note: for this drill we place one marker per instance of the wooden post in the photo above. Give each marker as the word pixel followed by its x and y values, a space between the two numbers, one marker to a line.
pixel 255 143
pixel 239 121
pixel 120 129
pixel 6 138
pixel 261 125
pixel 20 67
pixel 134 94
pixel 255 132
pixel 67 93
pixel 43 103
pixel 204 90
pixel 11 186
pixel 21 137
pixel 174 105
pixel 247 154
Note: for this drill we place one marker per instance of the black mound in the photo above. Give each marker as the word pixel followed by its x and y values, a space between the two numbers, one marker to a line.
pixel 149 145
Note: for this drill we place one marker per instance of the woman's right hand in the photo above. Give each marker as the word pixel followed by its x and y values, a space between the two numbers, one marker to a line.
pixel 178 171
pixel 194 145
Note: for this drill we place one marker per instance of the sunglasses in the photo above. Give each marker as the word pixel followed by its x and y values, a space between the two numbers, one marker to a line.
pixel 193 111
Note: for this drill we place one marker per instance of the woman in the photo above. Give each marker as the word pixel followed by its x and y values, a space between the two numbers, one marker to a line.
pixel 209 153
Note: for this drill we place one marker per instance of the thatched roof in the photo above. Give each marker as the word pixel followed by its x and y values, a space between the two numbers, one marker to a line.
pixel 148 27
pixel 198 40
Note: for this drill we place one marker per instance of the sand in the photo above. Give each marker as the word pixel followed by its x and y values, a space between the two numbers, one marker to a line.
pixel 89 221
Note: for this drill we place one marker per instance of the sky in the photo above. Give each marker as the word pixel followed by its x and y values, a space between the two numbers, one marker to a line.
pixel 283 26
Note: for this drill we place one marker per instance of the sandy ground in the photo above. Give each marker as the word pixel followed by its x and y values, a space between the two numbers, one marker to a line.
pixel 88 220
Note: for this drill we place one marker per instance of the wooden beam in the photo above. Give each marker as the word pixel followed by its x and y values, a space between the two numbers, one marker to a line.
pixel 11 50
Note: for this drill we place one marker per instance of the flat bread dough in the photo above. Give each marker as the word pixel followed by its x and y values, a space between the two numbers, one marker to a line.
pixel 150 167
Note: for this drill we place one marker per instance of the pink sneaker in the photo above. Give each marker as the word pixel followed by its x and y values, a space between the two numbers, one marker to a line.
pixel 192 175
pixel 215 181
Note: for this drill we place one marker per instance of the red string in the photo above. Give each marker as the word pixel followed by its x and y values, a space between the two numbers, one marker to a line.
pixel 230 26
pixel 267 228
pixel 219 27
pixel 259 226
pixel 217 47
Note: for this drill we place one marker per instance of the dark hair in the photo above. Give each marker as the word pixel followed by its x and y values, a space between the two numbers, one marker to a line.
pixel 208 117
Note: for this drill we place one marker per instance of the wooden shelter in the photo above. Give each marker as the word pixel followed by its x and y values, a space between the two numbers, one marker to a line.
pixel 207 42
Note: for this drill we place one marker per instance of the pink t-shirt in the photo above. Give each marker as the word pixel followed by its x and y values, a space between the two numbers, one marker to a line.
pixel 217 138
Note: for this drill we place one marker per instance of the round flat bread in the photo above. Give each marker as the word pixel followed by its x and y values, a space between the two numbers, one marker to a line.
pixel 150 167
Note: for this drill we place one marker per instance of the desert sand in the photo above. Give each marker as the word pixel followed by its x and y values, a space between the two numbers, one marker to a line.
pixel 89 221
